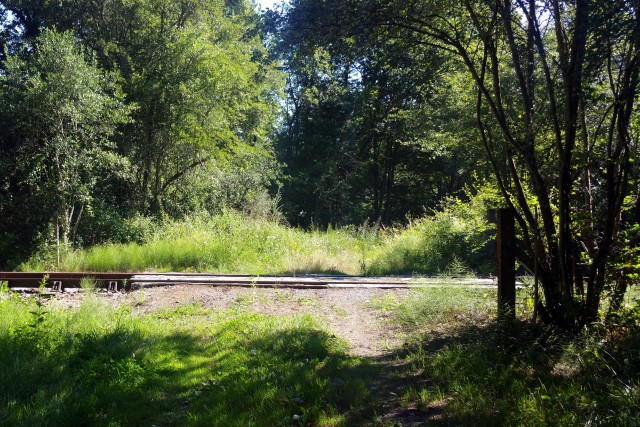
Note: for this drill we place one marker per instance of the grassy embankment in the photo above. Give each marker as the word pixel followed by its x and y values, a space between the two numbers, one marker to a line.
pixel 231 243
pixel 189 365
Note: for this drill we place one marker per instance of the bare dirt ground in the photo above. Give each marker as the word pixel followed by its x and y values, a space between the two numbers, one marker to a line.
pixel 347 313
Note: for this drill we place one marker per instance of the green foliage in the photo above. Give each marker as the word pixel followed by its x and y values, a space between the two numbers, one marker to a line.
pixel 452 242
pixel 375 85
pixel 60 112
pixel 513 373
pixel 456 238
pixel 373 132
pixel 226 243
pixel 105 224
pixel 191 365
pixel 534 381
pixel 154 108
pixel 43 283
pixel 205 97
pixel 100 365
pixel 121 119
pixel 65 111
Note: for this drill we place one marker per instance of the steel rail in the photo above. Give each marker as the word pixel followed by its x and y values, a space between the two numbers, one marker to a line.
pixel 59 281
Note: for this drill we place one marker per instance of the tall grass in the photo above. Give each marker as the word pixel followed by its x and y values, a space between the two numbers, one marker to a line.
pixel 458 235
pixel 426 307
pixel 232 243
pixel 472 370
pixel 225 243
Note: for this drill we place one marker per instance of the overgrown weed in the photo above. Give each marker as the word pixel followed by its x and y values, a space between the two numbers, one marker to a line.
pixel 224 243
pixel 447 304
pixel 88 284
pixel 451 241
pixel 231 242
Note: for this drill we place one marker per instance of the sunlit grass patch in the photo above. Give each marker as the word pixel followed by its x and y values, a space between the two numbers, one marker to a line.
pixel 429 306
pixel 187 365
pixel 232 243
pixel 225 243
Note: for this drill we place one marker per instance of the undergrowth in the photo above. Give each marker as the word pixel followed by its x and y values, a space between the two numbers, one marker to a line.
pixel 224 243
pixel 232 243
pixel 472 370
pixel 426 307
pixel 191 365
pixel 97 365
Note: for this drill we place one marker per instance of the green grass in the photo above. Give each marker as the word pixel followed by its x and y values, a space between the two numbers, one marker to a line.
pixel 96 365
pixel 468 369
pixel 430 306
pixel 526 376
pixel 232 243
pixel 191 365
pixel 225 243
pixel 455 240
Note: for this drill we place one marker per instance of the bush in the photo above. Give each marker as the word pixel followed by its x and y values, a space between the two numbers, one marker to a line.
pixel 451 239
pixel 104 224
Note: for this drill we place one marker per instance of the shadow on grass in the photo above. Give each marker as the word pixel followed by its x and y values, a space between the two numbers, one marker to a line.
pixel 132 375
pixel 240 369
pixel 512 374
pixel 81 379
pixel 289 377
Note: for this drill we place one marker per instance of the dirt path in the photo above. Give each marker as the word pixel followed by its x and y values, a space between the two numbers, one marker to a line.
pixel 347 313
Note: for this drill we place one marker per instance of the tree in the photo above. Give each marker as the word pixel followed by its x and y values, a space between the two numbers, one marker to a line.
pixel 366 136
pixel 202 90
pixel 60 115
pixel 556 86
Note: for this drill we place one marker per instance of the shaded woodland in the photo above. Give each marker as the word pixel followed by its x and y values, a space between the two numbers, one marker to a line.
pixel 329 113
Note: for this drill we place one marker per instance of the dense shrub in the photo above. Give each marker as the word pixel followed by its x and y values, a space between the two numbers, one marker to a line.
pixel 454 241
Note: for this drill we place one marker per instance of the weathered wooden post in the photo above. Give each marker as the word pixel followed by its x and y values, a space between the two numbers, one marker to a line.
pixel 505 239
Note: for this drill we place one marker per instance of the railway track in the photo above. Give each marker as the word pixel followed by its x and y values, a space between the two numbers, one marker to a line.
pixel 116 282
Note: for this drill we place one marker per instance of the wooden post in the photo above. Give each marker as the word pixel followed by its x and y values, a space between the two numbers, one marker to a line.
pixel 505 239
pixel 536 258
